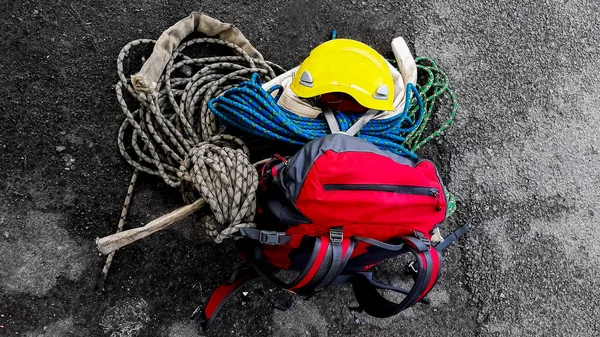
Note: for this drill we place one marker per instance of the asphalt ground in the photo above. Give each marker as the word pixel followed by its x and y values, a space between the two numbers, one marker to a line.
pixel 522 158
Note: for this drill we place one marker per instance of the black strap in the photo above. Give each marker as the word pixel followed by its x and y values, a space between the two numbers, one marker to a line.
pixel 265 237
pixel 369 276
pixel 380 244
pixel 452 237
pixel 264 269
pixel 373 303
pixel 337 265
pixel 419 243
pixel 313 277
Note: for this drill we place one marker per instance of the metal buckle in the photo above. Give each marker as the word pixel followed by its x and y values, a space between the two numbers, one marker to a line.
pixel 336 235
pixel 412 268
pixel 270 237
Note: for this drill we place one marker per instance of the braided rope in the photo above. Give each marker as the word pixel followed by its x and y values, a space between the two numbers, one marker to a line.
pixel 173 134
pixel 436 86
pixel 124 211
pixel 251 108
pixel 228 183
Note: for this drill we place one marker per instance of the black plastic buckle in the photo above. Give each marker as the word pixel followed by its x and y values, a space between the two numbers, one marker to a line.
pixel 422 238
pixel 270 237
pixel 336 235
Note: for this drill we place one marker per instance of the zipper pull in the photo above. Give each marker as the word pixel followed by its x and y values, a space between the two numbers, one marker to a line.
pixel 436 194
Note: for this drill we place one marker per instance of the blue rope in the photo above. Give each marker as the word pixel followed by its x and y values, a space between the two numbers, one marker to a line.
pixel 254 110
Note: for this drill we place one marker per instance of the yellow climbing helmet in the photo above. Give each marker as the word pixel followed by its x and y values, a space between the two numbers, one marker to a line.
pixel 347 66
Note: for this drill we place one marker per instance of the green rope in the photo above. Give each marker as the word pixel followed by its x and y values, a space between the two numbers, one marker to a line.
pixel 437 85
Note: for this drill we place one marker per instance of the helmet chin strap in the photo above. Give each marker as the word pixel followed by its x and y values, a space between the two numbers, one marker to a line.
pixel 334 126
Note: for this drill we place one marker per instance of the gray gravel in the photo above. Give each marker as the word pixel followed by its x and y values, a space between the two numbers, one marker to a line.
pixel 522 158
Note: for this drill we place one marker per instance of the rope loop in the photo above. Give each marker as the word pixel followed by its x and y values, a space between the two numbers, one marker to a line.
pixel 171 133
pixel 227 180
pixel 251 108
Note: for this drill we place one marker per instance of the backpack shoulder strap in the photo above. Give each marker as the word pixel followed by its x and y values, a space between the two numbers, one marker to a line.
pixel 373 303
pixel 429 259
pixel 327 260
pixel 205 316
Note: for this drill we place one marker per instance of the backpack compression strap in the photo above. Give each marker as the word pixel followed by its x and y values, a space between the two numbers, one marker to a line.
pixel 452 238
pixel 329 256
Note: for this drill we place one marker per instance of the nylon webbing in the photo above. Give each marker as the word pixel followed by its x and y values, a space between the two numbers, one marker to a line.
pixel 373 303
pixel 452 237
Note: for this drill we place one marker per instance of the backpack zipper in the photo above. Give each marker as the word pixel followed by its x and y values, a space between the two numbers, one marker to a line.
pixel 400 189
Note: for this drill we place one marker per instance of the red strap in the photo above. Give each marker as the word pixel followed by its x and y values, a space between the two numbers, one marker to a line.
pixel 222 293
pixel 435 265
pixel 316 265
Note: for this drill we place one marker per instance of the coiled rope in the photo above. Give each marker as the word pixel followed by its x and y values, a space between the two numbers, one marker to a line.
pixel 167 136
pixel 254 110
pixel 437 86
pixel 251 108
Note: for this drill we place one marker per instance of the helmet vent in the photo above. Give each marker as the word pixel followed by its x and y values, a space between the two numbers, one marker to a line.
pixel 307 80
pixel 381 93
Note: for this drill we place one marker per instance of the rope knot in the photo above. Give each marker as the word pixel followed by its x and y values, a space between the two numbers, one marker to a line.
pixel 227 180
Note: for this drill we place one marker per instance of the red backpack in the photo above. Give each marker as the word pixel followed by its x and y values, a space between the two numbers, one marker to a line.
pixel 332 212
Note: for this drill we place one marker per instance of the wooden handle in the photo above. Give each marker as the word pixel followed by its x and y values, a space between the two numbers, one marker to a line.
pixel 110 243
